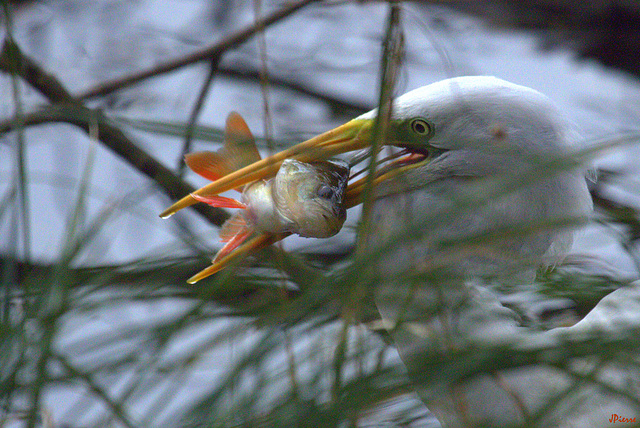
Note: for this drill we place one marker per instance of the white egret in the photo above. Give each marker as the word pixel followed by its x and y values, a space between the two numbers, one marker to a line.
pixel 460 129
pixel 469 136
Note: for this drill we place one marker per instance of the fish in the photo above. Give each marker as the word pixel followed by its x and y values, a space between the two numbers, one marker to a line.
pixel 303 198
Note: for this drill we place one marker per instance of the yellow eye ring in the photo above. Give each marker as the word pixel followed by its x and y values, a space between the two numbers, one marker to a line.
pixel 421 127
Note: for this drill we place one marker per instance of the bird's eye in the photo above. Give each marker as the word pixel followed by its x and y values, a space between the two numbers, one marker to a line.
pixel 420 127
pixel 325 192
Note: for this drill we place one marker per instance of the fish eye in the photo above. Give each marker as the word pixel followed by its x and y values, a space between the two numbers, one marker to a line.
pixel 325 192
pixel 421 127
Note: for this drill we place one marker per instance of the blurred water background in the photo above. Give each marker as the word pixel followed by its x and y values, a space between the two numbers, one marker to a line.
pixel 330 49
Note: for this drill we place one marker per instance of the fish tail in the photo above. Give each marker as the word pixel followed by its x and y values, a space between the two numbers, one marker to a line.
pixel 239 150
pixel 239 145
pixel 210 165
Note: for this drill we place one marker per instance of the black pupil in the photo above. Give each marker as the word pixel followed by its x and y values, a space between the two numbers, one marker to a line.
pixel 325 192
pixel 419 127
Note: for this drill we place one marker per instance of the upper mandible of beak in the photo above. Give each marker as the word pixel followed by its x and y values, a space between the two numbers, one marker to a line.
pixel 353 135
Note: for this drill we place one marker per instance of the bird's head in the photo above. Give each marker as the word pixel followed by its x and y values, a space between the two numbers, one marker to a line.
pixel 477 125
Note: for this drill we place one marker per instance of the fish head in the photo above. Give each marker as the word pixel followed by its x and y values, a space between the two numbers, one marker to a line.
pixel 309 196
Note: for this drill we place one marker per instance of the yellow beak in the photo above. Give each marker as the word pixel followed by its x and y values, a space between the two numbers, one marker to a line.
pixel 353 135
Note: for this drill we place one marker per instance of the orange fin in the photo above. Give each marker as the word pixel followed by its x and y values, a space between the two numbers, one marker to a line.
pixel 210 165
pixel 238 151
pixel 233 226
pixel 219 201
pixel 231 245
pixel 251 245
pixel 234 232
pixel 239 145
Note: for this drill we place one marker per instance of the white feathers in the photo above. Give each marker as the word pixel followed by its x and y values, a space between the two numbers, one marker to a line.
pixel 491 129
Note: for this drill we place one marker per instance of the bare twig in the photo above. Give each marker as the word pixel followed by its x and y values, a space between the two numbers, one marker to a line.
pixel 207 53
pixel 197 108
pixel 11 57
pixel 13 60
pixel 390 63
pixel 336 104
pixel 264 78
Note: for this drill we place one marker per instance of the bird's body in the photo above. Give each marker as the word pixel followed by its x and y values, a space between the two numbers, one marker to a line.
pixel 474 203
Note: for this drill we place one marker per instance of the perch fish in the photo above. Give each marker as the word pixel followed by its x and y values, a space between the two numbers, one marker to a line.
pixel 302 198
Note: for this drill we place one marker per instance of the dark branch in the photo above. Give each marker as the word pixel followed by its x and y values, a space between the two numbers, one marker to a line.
pixel 12 60
pixel 208 53
pixel 73 112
